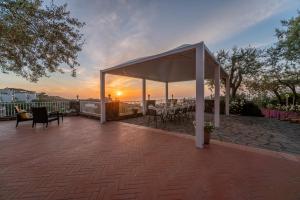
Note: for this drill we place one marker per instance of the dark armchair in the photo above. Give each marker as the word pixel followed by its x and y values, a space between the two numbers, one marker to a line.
pixel 40 115
pixel 22 115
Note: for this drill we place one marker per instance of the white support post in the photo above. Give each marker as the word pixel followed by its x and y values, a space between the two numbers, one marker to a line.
pixel 200 67
pixel 144 97
pixel 217 97
pixel 102 96
pixel 167 92
pixel 227 94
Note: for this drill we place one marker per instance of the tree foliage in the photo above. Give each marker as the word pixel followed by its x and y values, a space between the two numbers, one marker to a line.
pixel 274 70
pixel 241 64
pixel 37 39
pixel 284 56
pixel 277 76
pixel 289 38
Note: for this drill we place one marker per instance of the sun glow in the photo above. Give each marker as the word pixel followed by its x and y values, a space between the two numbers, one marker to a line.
pixel 119 93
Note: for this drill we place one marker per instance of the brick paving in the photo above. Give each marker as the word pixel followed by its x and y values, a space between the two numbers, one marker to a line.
pixel 259 132
pixel 82 159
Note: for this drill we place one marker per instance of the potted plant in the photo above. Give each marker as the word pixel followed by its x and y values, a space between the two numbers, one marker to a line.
pixel 134 111
pixel 208 129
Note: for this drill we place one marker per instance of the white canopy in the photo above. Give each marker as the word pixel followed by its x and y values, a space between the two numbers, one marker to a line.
pixel 185 63
pixel 178 64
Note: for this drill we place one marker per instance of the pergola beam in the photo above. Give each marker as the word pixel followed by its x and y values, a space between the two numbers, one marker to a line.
pixel 217 96
pixel 144 96
pixel 166 92
pixel 200 62
pixel 227 95
pixel 102 97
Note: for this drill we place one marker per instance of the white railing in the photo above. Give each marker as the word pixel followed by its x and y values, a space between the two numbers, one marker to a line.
pixel 90 108
pixel 94 108
pixel 7 109
pixel 127 107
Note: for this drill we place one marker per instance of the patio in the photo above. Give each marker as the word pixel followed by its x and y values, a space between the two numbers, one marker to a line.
pixel 82 159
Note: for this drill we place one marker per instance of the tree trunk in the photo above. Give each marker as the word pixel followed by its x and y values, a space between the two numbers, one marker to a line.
pixel 237 83
pixel 292 87
pixel 295 94
pixel 278 96
pixel 233 92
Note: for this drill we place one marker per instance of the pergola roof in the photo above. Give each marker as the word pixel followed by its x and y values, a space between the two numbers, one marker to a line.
pixel 175 65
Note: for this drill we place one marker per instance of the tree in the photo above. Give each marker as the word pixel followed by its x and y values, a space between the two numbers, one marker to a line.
pixel 266 81
pixel 265 84
pixel 288 50
pixel 241 64
pixel 289 39
pixel 37 39
pixel 289 76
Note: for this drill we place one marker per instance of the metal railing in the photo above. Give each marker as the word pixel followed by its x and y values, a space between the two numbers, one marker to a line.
pixel 90 108
pixel 7 109
pixel 128 107
pixel 125 107
pixel 94 108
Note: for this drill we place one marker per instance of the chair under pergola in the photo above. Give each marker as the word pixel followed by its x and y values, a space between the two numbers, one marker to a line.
pixel 186 63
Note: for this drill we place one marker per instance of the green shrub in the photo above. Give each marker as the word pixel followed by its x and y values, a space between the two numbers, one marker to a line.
pixel 236 106
pixel 240 106
pixel 251 109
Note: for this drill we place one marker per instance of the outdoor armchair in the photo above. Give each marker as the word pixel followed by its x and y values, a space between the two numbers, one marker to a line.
pixel 22 115
pixel 40 115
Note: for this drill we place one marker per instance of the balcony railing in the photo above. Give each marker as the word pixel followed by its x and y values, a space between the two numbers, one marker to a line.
pixel 8 109
pixel 90 108
pixel 94 108
pixel 127 107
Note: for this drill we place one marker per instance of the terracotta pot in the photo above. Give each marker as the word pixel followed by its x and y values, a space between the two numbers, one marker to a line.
pixel 206 137
pixel 134 111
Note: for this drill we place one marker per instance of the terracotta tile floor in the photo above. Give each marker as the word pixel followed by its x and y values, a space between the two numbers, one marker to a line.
pixel 82 159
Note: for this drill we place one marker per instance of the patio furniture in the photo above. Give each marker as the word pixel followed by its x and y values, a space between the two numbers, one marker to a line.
pixel 22 115
pixel 40 115
pixel 153 113
pixel 150 103
pixel 55 113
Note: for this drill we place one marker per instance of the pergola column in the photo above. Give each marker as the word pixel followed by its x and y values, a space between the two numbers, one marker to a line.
pixel 227 95
pixel 166 92
pixel 144 96
pixel 217 96
pixel 102 96
pixel 200 96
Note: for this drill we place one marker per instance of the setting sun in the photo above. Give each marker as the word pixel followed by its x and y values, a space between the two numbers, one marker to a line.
pixel 119 93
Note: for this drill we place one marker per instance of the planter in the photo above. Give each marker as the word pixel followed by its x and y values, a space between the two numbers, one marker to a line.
pixel 134 111
pixel 206 137
pixel 208 128
pixel 279 114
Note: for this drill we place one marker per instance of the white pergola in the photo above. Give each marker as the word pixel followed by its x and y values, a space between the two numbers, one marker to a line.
pixel 185 63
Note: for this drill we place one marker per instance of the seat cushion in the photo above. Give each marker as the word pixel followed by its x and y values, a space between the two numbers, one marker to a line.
pixel 52 119
pixel 25 115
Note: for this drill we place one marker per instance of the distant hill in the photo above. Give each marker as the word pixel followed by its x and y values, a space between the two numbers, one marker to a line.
pixel 44 97
pixel 18 90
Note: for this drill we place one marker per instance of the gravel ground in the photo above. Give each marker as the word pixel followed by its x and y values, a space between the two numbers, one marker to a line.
pixel 259 132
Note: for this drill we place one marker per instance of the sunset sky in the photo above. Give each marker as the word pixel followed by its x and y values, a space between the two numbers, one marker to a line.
pixel 117 31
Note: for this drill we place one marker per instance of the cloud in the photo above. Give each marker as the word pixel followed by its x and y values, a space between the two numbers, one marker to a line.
pixel 230 19
pixel 117 31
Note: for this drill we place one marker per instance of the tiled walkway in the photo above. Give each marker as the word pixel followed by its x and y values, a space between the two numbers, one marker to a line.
pixel 82 159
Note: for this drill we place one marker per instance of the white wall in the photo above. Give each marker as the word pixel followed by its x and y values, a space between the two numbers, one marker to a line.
pixel 6 95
